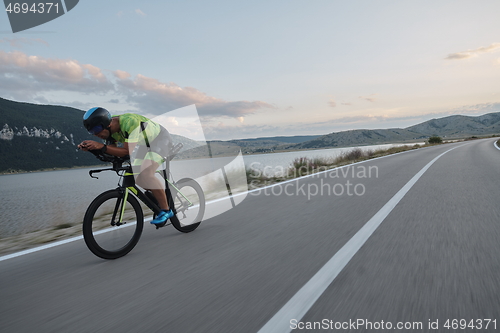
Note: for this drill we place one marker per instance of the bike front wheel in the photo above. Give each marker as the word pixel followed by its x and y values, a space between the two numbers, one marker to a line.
pixel 112 226
pixel 189 203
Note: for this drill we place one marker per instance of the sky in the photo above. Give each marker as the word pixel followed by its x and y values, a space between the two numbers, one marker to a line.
pixel 263 68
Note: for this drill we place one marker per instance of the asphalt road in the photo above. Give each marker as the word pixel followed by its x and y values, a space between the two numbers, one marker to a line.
pixel 434 257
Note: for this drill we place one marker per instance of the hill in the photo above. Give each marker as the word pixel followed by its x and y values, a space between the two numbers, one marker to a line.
pixel 360 137
pixel 34 137
pixel 460 126
pixel 275 140
pixel 451 127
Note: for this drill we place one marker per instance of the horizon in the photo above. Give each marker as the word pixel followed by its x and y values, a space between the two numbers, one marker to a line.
pixel 263 69
pixel 299 135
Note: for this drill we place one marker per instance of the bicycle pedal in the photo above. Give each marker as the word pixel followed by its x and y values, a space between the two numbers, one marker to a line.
pixel 158 226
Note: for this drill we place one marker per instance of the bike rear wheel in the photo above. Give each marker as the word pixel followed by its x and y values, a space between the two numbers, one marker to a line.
pixel 105 235
pixel 189 203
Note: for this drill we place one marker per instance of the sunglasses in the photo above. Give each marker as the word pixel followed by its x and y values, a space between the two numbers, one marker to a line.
pixel 96 129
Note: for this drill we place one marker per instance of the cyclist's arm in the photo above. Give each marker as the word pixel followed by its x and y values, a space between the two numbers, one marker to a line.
pixel 111 149
pixel 117 151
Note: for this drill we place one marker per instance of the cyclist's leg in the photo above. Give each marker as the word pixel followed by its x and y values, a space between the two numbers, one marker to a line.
pixel 148 180
pixel 162 144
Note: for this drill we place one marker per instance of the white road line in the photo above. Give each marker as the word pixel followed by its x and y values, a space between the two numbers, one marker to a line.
pixel 47 246
pixel 495 144
pixel 305 298
pixel 61 242
pixel 40 248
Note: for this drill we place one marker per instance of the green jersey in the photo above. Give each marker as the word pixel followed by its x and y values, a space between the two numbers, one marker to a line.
pixel 131 130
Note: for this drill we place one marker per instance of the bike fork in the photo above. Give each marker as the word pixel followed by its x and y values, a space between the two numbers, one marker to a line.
pixel 120 209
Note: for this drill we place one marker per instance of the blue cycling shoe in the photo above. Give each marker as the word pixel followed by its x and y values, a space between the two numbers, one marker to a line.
pixel 162 217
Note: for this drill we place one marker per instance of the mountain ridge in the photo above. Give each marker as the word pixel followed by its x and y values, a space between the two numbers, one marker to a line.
pixel 34 137
pixel 449 127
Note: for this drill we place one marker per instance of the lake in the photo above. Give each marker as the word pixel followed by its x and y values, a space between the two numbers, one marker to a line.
pixel 40 200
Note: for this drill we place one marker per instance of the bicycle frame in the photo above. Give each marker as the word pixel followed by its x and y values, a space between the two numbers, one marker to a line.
pixel 125 210
pixel 128 185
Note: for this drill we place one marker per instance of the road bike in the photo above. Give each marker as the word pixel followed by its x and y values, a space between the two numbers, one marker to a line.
pixel 114 221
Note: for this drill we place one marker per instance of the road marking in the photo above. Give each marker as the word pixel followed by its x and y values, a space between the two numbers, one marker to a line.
pixel 47 246
pixel 305 298
pixel 495 144
pixel 40 248
pixel 61 242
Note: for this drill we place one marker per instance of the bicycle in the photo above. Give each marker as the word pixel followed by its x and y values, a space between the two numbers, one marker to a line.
pixel 114 221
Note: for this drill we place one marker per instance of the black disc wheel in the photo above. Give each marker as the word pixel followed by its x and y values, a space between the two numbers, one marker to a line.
pixel 189 204
pixel 112 226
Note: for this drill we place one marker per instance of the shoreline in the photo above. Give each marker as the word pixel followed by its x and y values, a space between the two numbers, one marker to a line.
pixel 280 151
pixel 17 172
pixel 12 244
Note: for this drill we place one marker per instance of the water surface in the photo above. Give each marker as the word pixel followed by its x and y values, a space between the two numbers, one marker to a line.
pixel 39 200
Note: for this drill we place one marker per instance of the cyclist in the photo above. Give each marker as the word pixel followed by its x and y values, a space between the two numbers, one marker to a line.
pixel 148 141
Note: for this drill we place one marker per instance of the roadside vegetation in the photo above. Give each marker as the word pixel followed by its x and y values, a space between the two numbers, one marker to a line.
pixel 435 139
pixel 29 240
pixel 305 166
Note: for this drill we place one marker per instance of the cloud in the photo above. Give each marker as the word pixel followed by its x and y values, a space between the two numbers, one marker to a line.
pixel 460 55
pixel 473 53
pixel 358 119
pixel 137 11
pixel 232 109
pixel 18 42
pixel 370 98
pixel 222 131
pixel 121 74
pixel 75 104
pixel 24 77
pixel 394 118
pixel 332 103
pixel 477 108
pixel 29 75
pixel 41 100
pixel 156 97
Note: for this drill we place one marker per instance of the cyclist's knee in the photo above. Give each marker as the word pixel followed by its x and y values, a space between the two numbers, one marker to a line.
pixel 148 181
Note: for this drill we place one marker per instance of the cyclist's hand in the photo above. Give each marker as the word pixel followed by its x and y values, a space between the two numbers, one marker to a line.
pixel 90 145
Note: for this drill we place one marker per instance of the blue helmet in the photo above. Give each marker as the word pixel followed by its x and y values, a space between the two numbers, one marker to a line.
pixel 96 119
